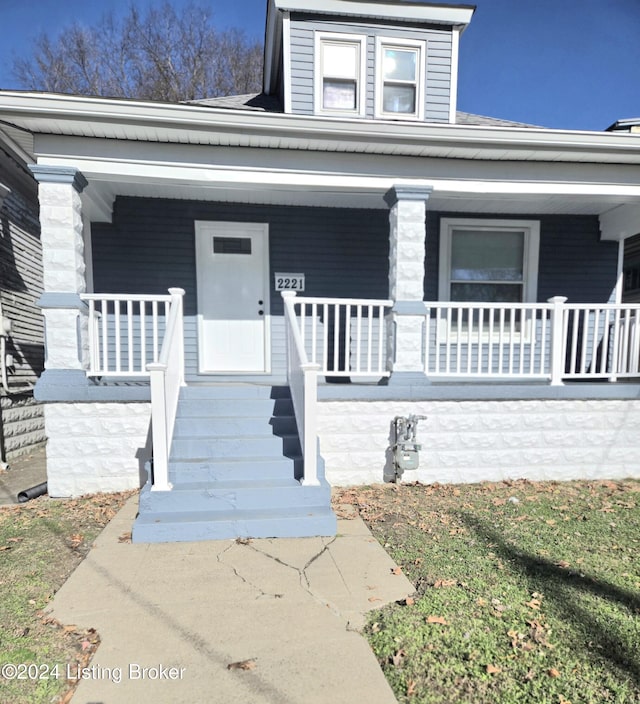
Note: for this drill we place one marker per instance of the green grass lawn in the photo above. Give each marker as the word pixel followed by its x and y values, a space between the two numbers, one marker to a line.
pixel 41 543
pixel 525 592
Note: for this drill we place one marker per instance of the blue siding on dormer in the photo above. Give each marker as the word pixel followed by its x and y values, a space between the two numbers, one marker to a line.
pixel 438 61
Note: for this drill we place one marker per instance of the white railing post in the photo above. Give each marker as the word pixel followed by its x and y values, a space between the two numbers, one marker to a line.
pixel 166 378
pixel 177 297
pixel 302 377
pixel 160 478
pixel 557 339
pixel 310 440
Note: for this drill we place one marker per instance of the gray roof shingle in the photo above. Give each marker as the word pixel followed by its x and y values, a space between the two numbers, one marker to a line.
pixel 269 103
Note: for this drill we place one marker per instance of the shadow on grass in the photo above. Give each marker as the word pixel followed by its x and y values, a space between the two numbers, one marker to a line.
pixel 559 586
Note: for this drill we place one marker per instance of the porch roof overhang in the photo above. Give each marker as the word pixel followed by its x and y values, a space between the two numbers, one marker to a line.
pixel 127 147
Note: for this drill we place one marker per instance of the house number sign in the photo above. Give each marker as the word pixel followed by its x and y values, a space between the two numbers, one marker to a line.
pixel 289 282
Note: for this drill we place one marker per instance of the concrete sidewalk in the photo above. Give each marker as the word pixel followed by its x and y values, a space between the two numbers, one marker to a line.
pixel 292 607
pixel 23 473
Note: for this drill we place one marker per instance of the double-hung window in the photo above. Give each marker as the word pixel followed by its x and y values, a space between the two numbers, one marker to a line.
pixel 489 260
pixel 340 74
pixel 400 79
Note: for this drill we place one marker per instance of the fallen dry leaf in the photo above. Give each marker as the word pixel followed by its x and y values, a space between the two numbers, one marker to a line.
pixel 439 583
pixel 552 672
pixel 493 670
pixel 396 570
pixel 76 539
pixel 412 685
pixel 242 665
pixel 438 619
pixel 374 598
pixel 125 538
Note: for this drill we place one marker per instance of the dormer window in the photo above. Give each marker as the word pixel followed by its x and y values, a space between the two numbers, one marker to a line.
pixel 400 79
pixel 340 74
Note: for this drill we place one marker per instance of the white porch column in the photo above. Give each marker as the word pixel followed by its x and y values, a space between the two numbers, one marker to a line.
pixel 65 314
pixel 407 235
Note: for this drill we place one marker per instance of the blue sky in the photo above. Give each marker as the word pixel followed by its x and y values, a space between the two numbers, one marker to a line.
pixel 570 64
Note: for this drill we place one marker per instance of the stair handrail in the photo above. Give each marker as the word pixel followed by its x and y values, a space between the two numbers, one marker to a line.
pixel 166 378
pixel 302 377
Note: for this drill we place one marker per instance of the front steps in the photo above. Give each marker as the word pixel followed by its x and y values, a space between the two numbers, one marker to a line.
pixel 235 464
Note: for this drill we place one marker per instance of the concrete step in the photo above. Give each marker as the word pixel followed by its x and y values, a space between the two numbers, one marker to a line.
pixel 193 525
pixel 227 469
pixel 234 391
pixel 224 408
pixel 243 447
pixel 223 426
pixel 220 407
pixel 224 496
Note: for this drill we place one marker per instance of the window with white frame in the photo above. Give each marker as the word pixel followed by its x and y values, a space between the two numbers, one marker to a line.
pixel 489 260
pixel 400 79
pixel 340 74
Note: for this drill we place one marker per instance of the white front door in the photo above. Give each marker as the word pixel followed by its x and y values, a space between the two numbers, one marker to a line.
pixel 232 269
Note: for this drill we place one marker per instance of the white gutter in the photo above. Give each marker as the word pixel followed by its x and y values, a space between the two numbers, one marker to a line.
pixel 44 113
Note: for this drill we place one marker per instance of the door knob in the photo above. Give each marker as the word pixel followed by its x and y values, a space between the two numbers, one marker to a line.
pixel 260 312
pixel 260 303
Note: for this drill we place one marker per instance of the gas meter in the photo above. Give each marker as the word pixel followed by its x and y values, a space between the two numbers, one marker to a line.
pixel 406 449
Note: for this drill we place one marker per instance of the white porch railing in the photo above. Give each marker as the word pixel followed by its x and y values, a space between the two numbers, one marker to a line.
pixel 166 378
pixel 602 341
pixel 339 337
pixel 512 341
pixel 302 377
pixel 345 336
pixel 125 332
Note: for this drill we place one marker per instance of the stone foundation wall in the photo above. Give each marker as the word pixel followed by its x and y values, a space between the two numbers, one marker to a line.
pixel 96 447
pixel 473 441
pixel 22 425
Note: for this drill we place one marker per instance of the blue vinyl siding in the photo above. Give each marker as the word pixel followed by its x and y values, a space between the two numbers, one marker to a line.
pixel 573 261
pixel 438 61
pixel 151 246
pixel 343 253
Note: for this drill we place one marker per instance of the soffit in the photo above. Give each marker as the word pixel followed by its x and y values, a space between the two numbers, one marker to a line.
pixel 465 142
pixel 195 124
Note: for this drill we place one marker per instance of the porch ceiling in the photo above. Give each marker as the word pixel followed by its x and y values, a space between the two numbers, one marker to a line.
pixel 101 195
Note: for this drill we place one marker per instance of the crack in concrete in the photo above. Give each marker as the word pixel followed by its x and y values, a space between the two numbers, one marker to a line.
pixel 302 572
pixel 261 592
pixel 305 582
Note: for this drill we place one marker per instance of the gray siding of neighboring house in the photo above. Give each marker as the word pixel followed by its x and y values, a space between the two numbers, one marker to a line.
pixel 438 61
pixel 21 420
pixel 343 253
